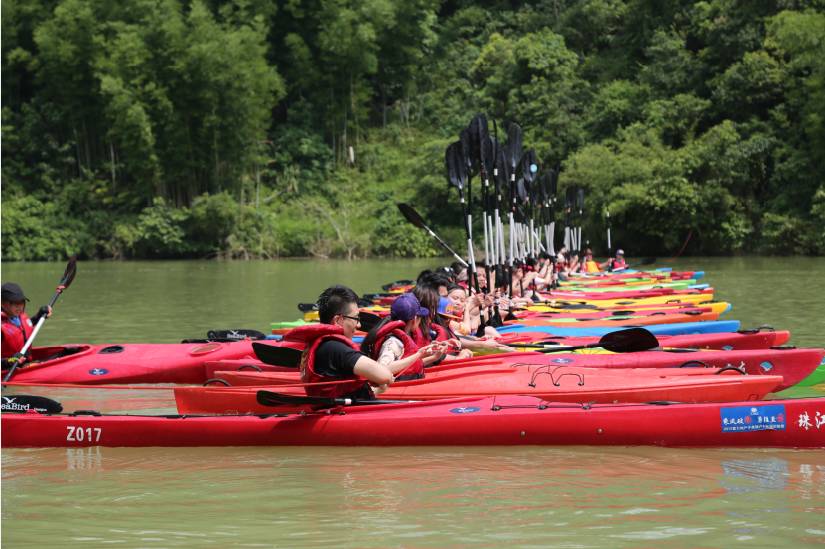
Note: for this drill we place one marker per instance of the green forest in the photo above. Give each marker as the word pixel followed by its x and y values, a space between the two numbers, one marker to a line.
pixel 262 128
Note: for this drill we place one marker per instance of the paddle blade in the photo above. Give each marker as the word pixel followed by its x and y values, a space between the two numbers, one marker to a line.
pixel 503 167
pixel 368 320
pixel 631 340
pixel 529 166
pixel 514 146
pixel 277 356
pixel 20 404
pixel 456 169
pixel 480 139
pixel 411 215
pixel 268 398
pixel 68 275
pixel 470 160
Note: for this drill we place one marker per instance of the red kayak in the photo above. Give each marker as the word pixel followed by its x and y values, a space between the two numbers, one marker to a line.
pixel 127 362
pixel 792 364
pixel 559 384
pixel 743 339
pixel 485 421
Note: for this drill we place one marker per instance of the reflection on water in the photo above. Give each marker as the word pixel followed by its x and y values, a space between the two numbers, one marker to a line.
pixel 572 497
pixel 418 497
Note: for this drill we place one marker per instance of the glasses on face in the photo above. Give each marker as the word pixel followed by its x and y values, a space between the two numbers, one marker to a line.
pixel 355 318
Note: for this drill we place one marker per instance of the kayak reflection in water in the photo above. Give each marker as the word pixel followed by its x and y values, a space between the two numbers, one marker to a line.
pixel 331 354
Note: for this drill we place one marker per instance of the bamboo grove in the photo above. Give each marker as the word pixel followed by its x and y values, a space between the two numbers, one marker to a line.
pixel 252 128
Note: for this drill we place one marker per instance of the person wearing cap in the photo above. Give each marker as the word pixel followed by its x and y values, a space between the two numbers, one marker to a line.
pixel 16 325
pixel 615 263
pixel 391 341
pixel 331 355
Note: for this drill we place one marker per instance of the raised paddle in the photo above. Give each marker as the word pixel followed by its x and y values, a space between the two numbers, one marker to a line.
pixel 276 355
pixel 65 281
pixel 412 216
pixel 632 340
pixel 268 398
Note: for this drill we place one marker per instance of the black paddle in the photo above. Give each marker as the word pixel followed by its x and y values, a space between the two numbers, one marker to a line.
pixel 65 282
pixel 277 356
pixel 20 404
pixel 368 320
pixel 268 398
pixel 412 216
pixel 632 340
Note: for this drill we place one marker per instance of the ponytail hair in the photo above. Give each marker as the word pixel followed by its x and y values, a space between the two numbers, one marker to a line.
pixel 368 345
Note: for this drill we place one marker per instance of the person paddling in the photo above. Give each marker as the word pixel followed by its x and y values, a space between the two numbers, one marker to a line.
pixel 331 355
pixel 392 339
pixel 16 325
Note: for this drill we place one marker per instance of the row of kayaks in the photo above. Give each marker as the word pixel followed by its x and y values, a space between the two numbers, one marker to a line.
pixel 704 384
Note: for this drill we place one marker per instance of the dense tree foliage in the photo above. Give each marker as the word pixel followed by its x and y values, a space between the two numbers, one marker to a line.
pixel 252 128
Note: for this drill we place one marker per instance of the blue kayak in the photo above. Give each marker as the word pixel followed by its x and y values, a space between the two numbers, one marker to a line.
pixel 709 327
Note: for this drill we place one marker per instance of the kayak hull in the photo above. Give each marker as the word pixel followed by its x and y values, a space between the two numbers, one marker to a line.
pixel 793 365
pixel 709 327
pixel 559 384
pixel 130 363
pixel 505 421
pixel 745 339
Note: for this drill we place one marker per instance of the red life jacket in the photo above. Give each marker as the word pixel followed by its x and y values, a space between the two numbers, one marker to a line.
pixel 396 329
pixel 14 337
pixel 617 264
pixel 312 336
pixel 441 333
pixel 421 336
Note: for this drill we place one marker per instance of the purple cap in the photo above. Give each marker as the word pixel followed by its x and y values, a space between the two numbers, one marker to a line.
pixel 406 307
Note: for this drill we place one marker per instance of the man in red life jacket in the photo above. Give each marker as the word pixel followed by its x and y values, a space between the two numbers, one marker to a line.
pixel 332 356
pixel 16 325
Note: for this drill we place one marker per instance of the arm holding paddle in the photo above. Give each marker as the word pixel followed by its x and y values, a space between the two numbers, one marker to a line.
pixel 382 375
pixel 18 358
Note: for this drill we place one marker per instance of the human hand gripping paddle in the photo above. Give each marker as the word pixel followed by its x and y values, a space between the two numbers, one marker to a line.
pixel 20 357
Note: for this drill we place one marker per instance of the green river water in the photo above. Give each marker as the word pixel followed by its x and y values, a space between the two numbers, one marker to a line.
pixel 393 497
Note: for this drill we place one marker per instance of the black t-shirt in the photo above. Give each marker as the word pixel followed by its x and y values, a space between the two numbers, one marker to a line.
pixel 336 359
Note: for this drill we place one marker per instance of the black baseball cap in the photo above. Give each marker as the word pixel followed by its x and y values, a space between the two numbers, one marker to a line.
pixel 13 292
